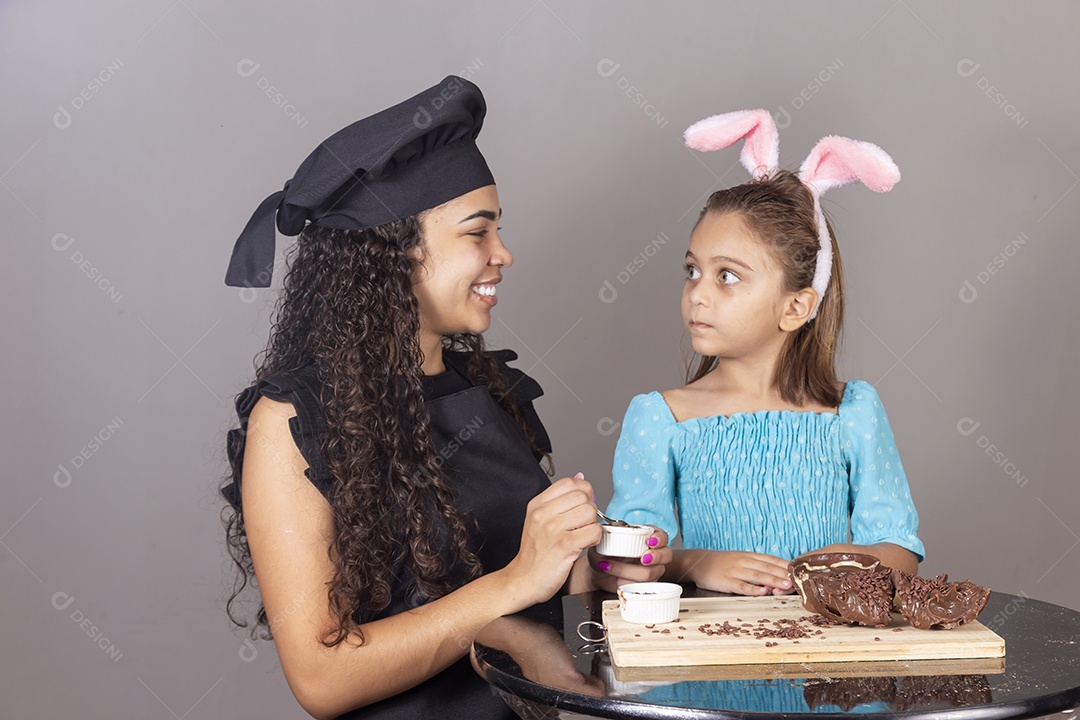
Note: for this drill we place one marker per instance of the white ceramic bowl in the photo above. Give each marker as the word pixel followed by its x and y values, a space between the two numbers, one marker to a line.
pixel 624 541
pixel 649 603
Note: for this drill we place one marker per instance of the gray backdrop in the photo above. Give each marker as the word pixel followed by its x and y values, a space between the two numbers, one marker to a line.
pixel 139 137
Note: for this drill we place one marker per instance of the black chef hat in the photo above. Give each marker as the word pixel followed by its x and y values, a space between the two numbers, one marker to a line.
pixel 406 159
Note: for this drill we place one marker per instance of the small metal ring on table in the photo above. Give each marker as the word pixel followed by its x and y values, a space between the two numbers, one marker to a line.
pixel 586 638
pixel 592 645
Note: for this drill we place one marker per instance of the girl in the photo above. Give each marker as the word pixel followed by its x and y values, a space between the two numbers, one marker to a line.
pixel 386 492
pixel 763 455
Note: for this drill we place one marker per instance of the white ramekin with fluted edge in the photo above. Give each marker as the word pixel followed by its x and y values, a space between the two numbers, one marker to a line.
pixel 625 542
pixel 649 603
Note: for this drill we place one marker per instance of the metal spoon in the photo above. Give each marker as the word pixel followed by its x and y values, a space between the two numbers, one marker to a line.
pixel 608 521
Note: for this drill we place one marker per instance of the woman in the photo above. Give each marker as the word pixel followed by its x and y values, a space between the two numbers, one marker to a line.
pixel 387 495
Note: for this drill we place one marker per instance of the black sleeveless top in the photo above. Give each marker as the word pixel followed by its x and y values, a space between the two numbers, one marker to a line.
pixel 488 463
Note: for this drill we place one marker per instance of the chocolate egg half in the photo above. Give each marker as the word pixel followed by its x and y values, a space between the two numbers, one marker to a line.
pixel 846 588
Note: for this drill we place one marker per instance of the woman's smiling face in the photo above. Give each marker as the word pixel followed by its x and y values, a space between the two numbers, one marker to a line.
pixel 461 264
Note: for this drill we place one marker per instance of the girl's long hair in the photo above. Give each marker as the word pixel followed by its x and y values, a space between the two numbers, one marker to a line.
pixel 779 210
pixel 347 308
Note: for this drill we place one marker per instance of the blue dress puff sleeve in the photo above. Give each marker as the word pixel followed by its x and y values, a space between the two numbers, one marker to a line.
pixel 643 471
pixel 880 499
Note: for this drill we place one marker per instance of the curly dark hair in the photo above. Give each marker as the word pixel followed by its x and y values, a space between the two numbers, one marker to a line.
pixel 347 307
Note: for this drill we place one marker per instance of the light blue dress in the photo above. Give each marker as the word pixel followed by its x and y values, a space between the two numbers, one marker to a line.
pixel 775 481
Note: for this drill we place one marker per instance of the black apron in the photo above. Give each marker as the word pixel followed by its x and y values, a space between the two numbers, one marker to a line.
pixel 487 461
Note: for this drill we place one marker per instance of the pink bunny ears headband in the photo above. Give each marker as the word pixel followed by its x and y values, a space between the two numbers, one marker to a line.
pixel 834 161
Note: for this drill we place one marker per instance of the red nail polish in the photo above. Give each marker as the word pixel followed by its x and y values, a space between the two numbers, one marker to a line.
pixel 646 558
pixel 653 542
pixel 604 565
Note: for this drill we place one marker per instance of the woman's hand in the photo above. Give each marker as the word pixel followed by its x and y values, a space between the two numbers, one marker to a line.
pixel 608 573
pixel 744 573
pixel 559 523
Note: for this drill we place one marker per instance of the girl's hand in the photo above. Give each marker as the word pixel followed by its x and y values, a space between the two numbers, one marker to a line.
pixel 607 573
pixel 559 523
pixel 889 554
pixel 744 573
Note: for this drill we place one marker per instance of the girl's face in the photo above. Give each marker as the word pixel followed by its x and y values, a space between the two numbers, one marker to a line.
pixel 462 262
pixel 733 302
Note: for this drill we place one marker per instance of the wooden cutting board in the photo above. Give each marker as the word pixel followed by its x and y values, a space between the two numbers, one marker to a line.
pixel 681 643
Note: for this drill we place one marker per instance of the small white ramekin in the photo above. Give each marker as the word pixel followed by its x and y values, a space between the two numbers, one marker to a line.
pixel 624 541
pixel 649 603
